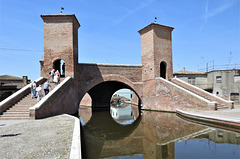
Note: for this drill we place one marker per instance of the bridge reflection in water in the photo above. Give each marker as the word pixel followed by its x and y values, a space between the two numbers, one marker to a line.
pixel 152 135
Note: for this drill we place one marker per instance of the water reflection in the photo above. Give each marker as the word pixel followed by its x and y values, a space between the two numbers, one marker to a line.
pixel 124 114
pixel 100 129
pixel 153 135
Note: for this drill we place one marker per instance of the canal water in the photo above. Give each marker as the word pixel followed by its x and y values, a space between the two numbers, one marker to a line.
pixel 125 133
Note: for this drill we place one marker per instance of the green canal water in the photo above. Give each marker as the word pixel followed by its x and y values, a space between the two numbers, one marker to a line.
pixel 125 133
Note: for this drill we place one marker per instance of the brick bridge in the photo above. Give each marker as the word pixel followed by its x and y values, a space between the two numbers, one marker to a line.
pixel 152 81
pixel 100 81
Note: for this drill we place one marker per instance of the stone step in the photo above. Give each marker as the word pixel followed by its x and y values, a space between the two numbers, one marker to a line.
pixel 24 105
pixel 19 113
pixel 14 118
pixel 18 110
pixel 27 99
pixel 15 115
pixel 21 106
pixel 222 107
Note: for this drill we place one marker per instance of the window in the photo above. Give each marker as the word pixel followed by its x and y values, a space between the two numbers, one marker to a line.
pixel 191 80
pixel 219 79
pixel 163 68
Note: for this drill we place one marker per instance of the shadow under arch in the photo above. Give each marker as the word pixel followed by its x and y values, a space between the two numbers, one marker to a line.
pixel 101 94
pixel 96 133
pixel 101 88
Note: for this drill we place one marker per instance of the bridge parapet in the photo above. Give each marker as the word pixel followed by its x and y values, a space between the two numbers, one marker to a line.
pixel 62 99
pixel 203 93
pixel 90 71
pixel 91 75
pixel 169 97
pixel 8 102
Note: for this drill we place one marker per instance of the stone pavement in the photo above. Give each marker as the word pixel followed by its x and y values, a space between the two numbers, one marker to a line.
pixel 227 114
pixel 227 117
pixel 39 139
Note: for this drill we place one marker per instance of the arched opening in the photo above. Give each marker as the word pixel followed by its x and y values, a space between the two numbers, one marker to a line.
pixel 102 93
pixel 124 106
pixel 100 124
pixel 60 66
pixel 86 100
pixel 163 68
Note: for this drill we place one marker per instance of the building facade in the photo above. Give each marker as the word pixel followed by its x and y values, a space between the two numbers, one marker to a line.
pixel 11 84
pixel 224 83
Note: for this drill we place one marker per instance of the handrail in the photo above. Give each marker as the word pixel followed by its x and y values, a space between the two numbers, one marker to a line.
pixel 210 103
pixel 45 98
pixel 12 99
pixel 201 90
pixel 220 67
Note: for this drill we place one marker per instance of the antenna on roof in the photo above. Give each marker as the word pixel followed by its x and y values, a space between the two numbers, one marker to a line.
pixel 230 58
pixel 61 9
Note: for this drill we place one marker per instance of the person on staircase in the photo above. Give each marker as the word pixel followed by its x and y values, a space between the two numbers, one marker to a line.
pixel 39 93
pixel 63 69
pixel 46 86
pixel 51 74
pixel 56 77
pixel 33 86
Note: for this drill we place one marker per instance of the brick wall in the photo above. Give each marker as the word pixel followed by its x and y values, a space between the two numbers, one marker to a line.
pixel 92 74
pixel 167 96
pixel 63 99
pixel 202 92
pixel 60 43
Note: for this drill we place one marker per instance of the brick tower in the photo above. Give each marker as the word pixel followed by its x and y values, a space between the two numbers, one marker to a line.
pixel 156 52
pixel 60 44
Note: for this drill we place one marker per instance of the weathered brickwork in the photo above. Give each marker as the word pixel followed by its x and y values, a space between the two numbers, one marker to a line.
pixel 166 96
pixel 156 47
pixel 91 75
pixel 60 43
pixel 101 80
pixel 203 93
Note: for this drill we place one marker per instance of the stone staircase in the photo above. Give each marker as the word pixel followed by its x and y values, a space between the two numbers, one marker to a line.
pixel 20 110
pixel 219 106
pixel 202 93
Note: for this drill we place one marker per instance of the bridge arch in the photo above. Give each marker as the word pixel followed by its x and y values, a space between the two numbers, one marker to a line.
pixel 101 89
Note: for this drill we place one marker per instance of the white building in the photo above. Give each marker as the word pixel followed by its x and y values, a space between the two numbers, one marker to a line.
pixel 224 83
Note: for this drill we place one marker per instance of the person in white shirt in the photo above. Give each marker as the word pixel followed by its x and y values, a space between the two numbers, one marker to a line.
pixel 39 93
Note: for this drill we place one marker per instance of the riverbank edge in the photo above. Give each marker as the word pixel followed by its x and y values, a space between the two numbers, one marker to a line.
pixel 211 121
pixel 76 151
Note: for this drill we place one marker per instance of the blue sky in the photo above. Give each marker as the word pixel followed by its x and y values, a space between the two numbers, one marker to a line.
pixel 205 30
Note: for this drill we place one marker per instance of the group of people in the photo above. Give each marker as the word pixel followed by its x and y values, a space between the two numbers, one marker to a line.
pixel 54 76
pixel 36 91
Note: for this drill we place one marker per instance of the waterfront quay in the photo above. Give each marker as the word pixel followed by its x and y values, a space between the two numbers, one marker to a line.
pixel 57 137
pixel 49 138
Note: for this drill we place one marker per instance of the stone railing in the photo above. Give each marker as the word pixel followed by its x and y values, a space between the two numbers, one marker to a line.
pixel 185 99
pixel 14 98
pixel 203 93
pixel 62 99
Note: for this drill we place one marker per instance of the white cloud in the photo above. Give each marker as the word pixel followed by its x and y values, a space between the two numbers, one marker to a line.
pixel 216 11
pixel 130 12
